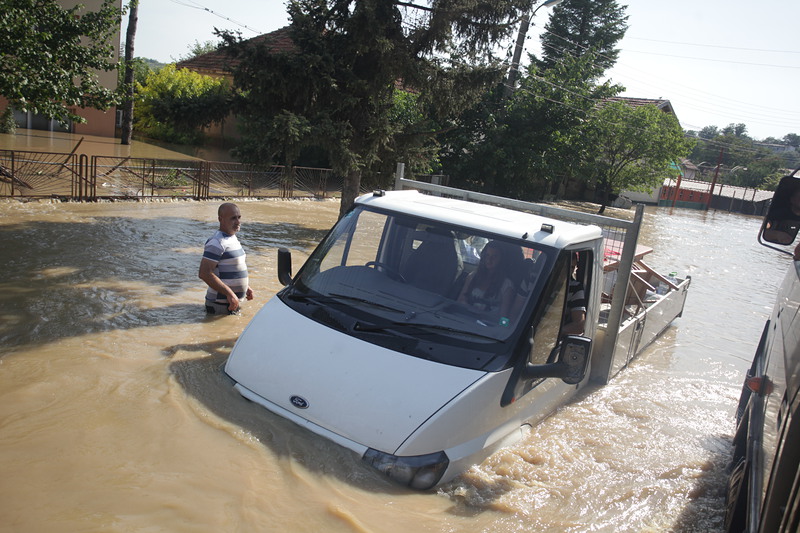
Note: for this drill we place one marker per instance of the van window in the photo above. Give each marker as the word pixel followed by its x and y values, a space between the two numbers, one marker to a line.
pixel 565 306
pixel 360 245
pixel 452 294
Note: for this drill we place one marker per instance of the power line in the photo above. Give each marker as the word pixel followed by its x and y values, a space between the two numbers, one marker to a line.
pixel 715 106
pixel 716 46
pixel 195 5
pixel 714 60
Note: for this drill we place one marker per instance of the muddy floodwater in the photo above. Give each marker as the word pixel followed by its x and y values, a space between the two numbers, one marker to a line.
pixel 115 414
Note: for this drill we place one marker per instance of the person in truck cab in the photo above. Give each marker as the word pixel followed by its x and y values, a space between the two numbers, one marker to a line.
pixel 489 288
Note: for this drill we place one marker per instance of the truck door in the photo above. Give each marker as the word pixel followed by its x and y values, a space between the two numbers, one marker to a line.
pixel 562 310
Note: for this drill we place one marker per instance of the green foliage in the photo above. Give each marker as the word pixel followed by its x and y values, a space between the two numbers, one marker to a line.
pixel 580 27
pixel 339 81
pixel 197 49
pixel 792 139
pixel 7 122
pixel 530 146
pixel 731 147
pixel 174 104
pixel 632 148
pixel 49 56
pixel 142 68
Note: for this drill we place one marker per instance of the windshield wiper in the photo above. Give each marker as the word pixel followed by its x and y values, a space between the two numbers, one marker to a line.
pixel 337 298
pixel 377 328
pixel 364 301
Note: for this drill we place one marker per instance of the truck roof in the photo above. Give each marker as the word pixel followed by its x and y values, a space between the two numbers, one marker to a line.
pixel 489 218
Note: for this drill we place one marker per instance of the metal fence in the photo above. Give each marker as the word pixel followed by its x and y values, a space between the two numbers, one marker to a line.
pixel 41 174
pixel 78 177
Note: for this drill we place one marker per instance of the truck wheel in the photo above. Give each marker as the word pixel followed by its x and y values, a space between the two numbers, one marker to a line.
pixel 736 502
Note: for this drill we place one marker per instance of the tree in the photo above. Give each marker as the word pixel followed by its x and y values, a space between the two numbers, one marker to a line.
pixel 197 49
pixel 127 84
pixel 49 57
pixel 579 27
pixel 528 147
pixel 632 148
pixel 173 104
pixel 348 57
pixel 792 139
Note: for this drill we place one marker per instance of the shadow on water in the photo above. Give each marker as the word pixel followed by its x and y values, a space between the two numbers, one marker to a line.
pixel 204 379
pixel 66 279
pixel 705 504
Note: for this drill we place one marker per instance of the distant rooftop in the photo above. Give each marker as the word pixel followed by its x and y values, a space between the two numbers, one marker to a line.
pixel 660 103
pixel 217 62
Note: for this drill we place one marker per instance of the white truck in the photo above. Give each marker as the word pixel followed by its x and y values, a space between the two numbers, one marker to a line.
pixel 376 345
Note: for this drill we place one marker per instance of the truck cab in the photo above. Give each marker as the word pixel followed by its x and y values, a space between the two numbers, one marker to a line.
pixel 424 332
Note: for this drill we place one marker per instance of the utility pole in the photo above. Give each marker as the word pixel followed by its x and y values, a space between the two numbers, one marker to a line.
pixel 524 24
pixel 714 181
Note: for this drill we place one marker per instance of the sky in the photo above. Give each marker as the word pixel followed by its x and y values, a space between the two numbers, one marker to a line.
pixel 718 62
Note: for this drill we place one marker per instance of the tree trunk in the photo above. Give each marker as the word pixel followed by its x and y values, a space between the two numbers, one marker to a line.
pixel 350 189
pixel 127 104
pixel 604 198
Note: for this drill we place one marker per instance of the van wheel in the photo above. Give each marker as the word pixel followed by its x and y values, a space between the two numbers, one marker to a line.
pixel 736 501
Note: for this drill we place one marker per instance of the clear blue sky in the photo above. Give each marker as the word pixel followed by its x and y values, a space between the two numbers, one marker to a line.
pixel 718 61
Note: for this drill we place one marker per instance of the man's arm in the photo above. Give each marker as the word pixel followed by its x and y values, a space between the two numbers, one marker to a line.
pixel 212 280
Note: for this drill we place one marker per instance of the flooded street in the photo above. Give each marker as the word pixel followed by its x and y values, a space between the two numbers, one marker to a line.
pixel 115 414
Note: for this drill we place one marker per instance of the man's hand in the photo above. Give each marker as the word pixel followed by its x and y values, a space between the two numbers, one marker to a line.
pixel 233 302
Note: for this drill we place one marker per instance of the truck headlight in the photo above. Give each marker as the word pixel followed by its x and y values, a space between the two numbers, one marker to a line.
pixel 419 472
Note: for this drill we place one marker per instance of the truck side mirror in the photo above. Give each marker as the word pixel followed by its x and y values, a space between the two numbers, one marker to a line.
pixel 571 364
pixel 284 266
pixel 783 218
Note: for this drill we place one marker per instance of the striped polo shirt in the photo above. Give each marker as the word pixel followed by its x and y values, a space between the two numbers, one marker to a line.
pixel 226 251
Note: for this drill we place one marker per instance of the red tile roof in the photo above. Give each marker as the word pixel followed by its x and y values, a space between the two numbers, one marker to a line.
pixel 218 62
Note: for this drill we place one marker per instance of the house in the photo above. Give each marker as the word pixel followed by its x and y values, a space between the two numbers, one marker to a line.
pixel 218 65
pixel 694 194
pixel 100 123
pixel 627 198
pixel 660 103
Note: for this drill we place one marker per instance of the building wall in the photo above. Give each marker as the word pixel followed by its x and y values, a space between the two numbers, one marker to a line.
pixel 689 198
pixel 97 122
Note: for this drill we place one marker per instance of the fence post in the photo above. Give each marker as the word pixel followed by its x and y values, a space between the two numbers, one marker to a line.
pixel 602 372
pixel 399 173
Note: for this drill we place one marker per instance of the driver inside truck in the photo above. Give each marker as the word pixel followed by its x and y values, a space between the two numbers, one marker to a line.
pixel 575 313
pixel 489 288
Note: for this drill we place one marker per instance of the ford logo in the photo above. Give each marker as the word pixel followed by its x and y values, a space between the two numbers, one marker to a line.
pixel 299 402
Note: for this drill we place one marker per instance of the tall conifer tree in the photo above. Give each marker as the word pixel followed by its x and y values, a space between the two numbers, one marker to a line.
pixel 579 27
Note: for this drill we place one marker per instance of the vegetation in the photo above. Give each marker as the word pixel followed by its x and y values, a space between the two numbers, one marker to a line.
pixel 632 148
pixel 338 84
pixel 742 160
pixel 197 49
pixel 175 104
pixel 527 147
pixel 49 57
pixel 584 27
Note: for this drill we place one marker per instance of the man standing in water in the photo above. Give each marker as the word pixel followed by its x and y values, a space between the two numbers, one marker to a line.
pixel 223 265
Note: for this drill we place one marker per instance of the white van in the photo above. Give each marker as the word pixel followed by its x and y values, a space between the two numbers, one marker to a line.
pixel 375 346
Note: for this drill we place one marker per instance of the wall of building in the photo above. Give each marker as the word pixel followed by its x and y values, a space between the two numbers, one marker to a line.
pixel 97 122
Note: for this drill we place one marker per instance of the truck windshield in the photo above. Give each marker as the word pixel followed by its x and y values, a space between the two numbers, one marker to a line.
pixel 451 294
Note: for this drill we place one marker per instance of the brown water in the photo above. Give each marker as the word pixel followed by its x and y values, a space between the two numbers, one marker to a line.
pixel 115 414
pixel 60 142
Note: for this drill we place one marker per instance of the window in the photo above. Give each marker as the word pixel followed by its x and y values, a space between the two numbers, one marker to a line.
pixel 565 306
